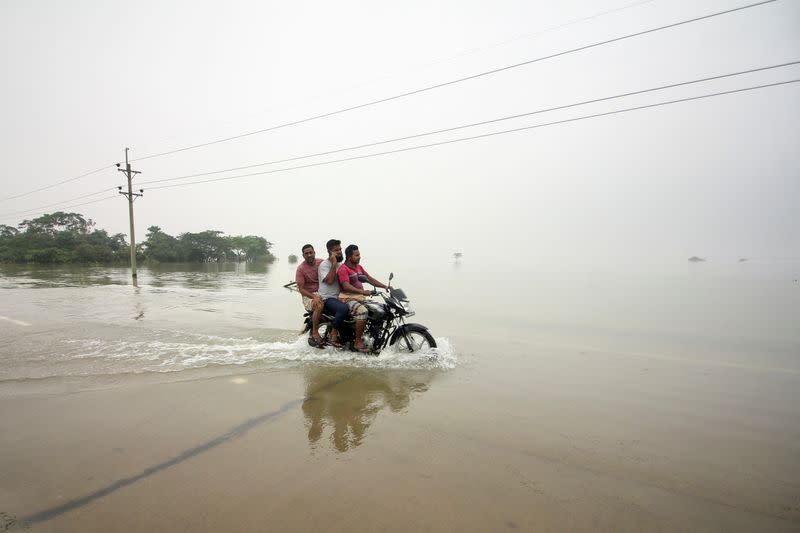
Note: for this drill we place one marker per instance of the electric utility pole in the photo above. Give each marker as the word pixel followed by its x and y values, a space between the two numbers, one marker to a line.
pixel 131 197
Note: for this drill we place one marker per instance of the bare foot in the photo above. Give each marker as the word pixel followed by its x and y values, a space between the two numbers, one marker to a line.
pixel 333 340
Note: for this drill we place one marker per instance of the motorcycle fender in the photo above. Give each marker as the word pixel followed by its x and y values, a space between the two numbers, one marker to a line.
pixel 399 331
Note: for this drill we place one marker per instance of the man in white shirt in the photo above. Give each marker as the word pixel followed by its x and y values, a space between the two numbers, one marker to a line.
pixel 329 289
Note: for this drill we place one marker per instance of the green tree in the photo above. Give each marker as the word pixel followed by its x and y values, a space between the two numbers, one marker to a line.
pixel 59 238
pixel 161 247
pixel 250 247
pixel 69 237
pixel 7 231
pixel 59 221
pixel 205 246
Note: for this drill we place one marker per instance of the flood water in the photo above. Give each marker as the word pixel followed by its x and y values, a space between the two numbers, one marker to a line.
pixel 579 399
pixel 83 321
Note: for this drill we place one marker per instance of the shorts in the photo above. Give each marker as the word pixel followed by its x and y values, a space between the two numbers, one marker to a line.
pixel 308 303
pixel 358 311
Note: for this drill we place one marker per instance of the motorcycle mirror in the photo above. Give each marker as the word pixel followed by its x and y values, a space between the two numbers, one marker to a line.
pixel 391 275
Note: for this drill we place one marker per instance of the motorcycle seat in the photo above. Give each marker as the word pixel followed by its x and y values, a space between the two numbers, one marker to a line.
pixel 329 318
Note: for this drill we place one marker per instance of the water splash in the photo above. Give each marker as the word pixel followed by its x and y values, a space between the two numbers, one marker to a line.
pixel 199 351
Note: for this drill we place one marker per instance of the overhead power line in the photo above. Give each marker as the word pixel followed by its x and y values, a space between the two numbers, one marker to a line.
pixel 62 202
pixel 34 211
pixel 545 30
pixel 418 135
pixel 463 139
pixel 455 81
pixel 486 135
pixel 478 49
pixel 464 53
pixel 417 91
pixel 57 183
pixel 474 124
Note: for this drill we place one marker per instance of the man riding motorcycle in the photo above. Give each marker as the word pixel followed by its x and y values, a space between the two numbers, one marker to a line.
pixel 353 292
pixel 307 280
pixel 329 289
pixel 376 324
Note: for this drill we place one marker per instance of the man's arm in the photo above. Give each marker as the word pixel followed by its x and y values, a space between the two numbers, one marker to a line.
pixel 305 292
pixel 329 275
pixel 300 279
pixel 347 287
pixel 374 282
pixel 344 281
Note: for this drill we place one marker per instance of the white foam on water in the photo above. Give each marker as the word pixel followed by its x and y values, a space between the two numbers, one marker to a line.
pixel 204 350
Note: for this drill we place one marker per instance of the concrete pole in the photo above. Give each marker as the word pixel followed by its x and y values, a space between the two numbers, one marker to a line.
pixel 131 197
pixel 130 214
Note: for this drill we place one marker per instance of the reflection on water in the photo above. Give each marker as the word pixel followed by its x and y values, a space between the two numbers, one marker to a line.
pixel 344 402
pixel 50 276
pixel 214 276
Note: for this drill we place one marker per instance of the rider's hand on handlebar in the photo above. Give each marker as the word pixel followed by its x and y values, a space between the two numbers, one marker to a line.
pixel 374 292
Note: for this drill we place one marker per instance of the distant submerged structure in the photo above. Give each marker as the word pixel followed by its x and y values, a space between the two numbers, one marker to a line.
pixel 695 259
pixel 457 256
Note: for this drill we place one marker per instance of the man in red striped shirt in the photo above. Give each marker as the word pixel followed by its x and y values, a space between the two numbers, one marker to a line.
pixel 352 289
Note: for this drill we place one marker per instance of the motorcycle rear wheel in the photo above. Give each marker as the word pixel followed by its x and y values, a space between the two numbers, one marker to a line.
pixel 324 330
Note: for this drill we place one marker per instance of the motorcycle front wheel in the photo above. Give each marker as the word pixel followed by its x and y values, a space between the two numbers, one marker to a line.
pixel 416 339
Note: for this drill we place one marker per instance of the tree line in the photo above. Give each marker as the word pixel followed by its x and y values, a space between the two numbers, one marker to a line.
pixel 71 238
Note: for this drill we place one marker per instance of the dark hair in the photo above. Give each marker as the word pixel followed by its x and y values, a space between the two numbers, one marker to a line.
pixel 331 243
pixel 303 249
pixel 349 250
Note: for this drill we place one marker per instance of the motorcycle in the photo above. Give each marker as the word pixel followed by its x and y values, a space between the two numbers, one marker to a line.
pixel 385 325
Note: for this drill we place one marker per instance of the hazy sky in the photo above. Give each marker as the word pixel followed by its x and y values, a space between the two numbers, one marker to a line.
pixel 717 177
